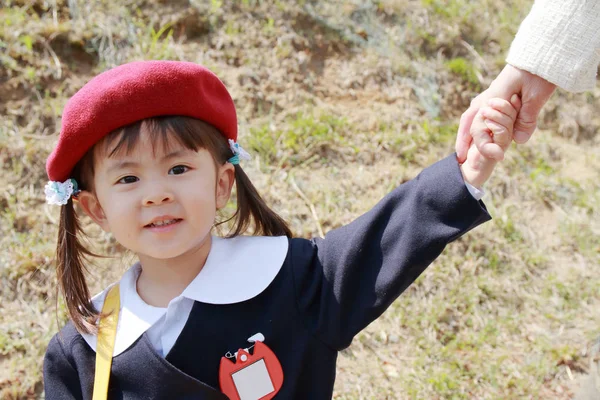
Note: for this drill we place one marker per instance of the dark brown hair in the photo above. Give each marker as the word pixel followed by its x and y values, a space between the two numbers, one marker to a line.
pixel 251 213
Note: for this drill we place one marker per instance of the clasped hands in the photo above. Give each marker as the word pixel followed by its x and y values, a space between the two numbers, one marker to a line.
pixel 506 111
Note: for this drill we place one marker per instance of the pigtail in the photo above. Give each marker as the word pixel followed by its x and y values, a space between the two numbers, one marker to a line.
pixel 70 268
pixel 251 208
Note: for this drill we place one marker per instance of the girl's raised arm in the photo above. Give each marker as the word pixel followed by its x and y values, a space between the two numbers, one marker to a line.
pixel 346 280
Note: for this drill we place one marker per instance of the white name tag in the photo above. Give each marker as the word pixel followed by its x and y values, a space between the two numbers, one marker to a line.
pixel 246 376
pixel 253 381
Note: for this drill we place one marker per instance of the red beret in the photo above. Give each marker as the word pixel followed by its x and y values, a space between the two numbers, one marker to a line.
pixel 132 92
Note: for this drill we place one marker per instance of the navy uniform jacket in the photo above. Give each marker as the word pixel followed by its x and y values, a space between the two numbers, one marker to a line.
pixel 326 292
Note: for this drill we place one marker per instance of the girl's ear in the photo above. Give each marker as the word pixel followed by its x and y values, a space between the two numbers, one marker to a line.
pixel 225 179
pixel 91 206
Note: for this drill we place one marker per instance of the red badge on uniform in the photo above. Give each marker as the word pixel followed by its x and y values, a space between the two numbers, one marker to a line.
pixel 256 376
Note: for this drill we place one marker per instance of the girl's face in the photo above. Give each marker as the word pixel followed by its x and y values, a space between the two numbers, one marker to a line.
pixel 159 203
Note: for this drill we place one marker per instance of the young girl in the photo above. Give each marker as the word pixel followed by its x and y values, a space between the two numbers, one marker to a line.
pixel 149 152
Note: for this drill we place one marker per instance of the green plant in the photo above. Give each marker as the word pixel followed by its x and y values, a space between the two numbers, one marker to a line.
pixel 463 68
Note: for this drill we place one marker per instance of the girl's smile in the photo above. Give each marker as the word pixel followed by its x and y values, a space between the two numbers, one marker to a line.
pixel 162 220
pixel 163 223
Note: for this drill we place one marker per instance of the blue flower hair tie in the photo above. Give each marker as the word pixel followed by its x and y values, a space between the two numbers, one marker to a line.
pixel 238 152
pixel 59 193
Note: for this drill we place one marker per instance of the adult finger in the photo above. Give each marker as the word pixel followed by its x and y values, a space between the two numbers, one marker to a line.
pixel 534 95
pixel 515 100
pixel 526 122
pixel 463 137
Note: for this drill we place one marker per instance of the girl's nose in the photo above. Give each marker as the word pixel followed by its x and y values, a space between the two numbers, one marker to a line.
pixel 157 196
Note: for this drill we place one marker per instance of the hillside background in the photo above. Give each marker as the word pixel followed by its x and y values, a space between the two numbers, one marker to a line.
pixel 338 101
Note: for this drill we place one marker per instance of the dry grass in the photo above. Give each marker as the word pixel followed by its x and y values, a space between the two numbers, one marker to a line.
pixel 339 101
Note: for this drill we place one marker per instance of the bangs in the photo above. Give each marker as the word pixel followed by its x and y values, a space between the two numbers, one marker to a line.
pixel 165 133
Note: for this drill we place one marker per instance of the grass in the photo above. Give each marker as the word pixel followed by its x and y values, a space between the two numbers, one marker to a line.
pixel 307 137
pixel 339 102
pixel 464 69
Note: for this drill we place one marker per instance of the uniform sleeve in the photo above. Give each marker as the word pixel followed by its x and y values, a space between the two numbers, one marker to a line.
pixel 346 280
pixel 560 41
pixel 60 377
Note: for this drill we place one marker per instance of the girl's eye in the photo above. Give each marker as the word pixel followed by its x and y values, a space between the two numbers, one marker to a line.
pixel 178 170
pixel 128 179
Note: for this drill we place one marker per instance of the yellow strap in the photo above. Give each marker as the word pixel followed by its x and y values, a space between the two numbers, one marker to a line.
pixel 107 331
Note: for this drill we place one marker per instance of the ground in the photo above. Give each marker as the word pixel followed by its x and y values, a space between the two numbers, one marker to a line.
pixel 338 101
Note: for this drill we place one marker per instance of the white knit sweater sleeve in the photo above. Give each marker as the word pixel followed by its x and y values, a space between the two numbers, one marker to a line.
pixel 560 41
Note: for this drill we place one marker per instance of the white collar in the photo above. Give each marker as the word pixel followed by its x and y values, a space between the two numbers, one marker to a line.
pixel 236 270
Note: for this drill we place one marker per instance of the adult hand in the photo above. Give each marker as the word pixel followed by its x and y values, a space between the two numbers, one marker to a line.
pixel 534 92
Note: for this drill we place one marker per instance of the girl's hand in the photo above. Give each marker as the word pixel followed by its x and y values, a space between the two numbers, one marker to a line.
pixel 493 125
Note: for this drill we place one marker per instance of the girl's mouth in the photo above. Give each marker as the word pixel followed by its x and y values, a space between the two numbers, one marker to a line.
pixel 163 224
